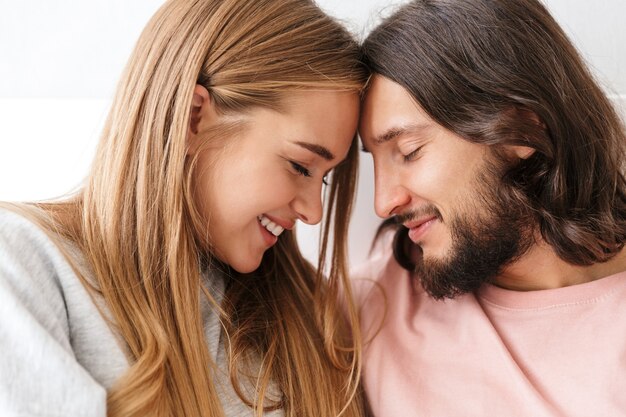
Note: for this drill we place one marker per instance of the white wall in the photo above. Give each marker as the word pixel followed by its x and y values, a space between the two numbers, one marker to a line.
pixel 59 62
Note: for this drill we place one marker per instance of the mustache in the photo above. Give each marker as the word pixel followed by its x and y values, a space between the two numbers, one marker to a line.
pixel 424 211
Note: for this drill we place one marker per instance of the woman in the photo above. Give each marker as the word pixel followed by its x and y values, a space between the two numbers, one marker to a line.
pixel 225 123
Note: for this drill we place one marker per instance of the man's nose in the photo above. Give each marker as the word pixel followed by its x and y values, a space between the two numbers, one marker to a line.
pixel 390 194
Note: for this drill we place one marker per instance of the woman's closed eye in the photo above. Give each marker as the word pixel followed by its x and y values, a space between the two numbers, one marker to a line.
pixel 300 170
pixel 305 172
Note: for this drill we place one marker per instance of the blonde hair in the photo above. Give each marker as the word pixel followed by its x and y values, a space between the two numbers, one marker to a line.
pixel 135 222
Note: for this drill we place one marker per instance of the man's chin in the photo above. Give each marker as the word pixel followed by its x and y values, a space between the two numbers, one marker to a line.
pixel 437 280
pixel 454 275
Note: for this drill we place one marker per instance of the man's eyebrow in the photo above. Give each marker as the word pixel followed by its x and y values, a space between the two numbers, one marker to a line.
pixel 395 132
pixel 317 149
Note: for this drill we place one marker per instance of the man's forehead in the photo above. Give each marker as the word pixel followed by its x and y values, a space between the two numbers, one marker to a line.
pixel 381 91
pixel 389 112
pixel 378 107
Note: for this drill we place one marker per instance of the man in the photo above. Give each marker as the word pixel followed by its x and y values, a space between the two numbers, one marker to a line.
pixel 500 164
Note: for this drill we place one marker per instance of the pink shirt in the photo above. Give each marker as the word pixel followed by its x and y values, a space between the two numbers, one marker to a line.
pixel 558 352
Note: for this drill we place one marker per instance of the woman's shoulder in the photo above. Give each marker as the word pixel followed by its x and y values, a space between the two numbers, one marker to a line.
pixel 36 275
pixel 26 246
pixel 42 367
pixel 31 267
pixel 37 265
pixel 18 228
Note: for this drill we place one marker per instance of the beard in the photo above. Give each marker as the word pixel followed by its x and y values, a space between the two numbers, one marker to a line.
pixel 482 245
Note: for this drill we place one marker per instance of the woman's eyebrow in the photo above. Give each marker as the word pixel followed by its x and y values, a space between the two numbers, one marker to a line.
pixel 317 149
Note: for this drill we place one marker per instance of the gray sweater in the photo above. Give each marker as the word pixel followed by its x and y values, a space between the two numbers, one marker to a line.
pixel 58 356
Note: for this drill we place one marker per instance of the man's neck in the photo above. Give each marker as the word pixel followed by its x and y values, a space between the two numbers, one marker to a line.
pixel 540 269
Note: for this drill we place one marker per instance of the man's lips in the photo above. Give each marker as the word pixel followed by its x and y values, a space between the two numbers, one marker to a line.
pixel 417 228
pixel 412 224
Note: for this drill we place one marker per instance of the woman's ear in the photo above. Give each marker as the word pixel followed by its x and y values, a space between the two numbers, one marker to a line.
pixel 202 113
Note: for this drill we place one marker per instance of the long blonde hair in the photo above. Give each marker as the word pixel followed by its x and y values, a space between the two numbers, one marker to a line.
pixel 136 225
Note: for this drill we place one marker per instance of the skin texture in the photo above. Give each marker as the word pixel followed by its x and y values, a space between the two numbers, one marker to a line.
pixel 274 167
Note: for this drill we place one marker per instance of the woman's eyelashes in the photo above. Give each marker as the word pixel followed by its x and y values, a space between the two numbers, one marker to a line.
pixel 300 169
pixel 305 172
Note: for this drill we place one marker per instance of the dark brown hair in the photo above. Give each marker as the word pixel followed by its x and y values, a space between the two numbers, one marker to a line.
pixel 502 72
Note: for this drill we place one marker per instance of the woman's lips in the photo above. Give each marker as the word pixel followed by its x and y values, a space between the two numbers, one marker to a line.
pixel 269 238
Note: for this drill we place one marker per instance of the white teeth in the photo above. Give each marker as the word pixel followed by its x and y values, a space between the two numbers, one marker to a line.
pixel 277 230
pixel 271 227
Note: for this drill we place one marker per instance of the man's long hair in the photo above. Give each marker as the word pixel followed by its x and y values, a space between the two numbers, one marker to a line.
pixel 502 72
